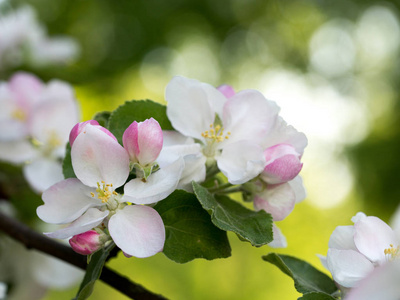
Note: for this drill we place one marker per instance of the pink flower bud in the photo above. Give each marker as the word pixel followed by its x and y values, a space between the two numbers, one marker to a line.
pixel 143 141
pixel 226 90
pixel 283 164
pixel 78 128
pixel 86 243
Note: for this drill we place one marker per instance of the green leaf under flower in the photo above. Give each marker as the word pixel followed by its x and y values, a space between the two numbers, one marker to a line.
pixel 190 234
pixel 307 279
pixel 252 226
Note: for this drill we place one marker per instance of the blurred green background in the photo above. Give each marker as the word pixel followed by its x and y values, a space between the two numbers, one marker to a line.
pixel 333 68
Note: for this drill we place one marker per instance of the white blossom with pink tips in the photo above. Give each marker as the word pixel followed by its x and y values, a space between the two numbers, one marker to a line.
pixel 356 250
pixel 102 165
pixel 35 122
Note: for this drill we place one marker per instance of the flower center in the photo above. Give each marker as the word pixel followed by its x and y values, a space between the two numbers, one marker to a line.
pixel 392 252
pixel 213 136
pixel 19 115
pixel 104 192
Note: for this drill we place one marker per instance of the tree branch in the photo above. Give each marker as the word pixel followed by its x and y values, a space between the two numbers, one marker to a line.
pixel 34 240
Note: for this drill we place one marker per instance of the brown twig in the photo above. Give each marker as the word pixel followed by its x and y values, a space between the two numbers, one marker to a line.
pixel 34 240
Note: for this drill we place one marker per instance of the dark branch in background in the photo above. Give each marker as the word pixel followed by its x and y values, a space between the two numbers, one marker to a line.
pixel 34 240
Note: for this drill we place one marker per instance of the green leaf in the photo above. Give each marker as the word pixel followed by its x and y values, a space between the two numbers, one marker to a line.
pixel 102 117
pixel 138 111
pixel 190 234
pixel 306 278
pixel 255 227
pixel 316 296
pixel 68 170
pixel 93 272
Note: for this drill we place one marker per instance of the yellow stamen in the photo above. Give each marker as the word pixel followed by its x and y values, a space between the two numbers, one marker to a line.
pixel 392 252
pixel 19 115
pixel 215 133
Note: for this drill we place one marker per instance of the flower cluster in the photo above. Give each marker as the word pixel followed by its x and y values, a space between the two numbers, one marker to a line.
pixel 24 40
pixel 226 141
pixel 35 121
pixel 242 135
pixel 91 200
pixel 355 251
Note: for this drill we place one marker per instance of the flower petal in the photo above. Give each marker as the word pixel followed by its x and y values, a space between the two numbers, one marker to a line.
pixel 342 238
pixel 188 107
pixel 382 283
pixel 78 128
pixel 43 173
pixel 372 236
pixel 143 141
pixel 248 115
pixel 17 152
pixel 98 157
pixel 282 133
pixel 348 267
pixel 299 190
pixel 158 186
pixel 241 161
pixel 90 219
pixel 226 90
pixel 66 201
pixel 283 164
pixel 279 239
pixel 138 230
pixel 277 200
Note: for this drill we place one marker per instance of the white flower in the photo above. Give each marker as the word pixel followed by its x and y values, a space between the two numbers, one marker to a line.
pixel 229 131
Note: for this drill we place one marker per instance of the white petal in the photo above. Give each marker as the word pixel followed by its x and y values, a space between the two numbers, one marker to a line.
pixel 298 187
pixel 248 115
pixel 66 201
pixel 54 118
pixel 277 200
pixel 188 107
pixel 172 138
pixel 96 156
pixel 17 152
pixel 241 161
pixel 138 230
pixel 43 173
pixel 382 283
pixel 372 236
pixel 158 186
pixel 323 261
pixel 395 221
pixel 90 219
pixel 279 239
pixel 281 133
pixel 342 238
pixel 348 267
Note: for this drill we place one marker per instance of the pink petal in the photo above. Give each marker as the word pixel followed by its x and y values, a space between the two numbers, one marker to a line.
pixel 226 90
pixel 27 89
pixel 277 200
pixel 143 141
pixel 78 128
pixel 138 230
pixel 283 164
pixel 66 201
pixel 86 243
pixel 372 236
pixel 98 157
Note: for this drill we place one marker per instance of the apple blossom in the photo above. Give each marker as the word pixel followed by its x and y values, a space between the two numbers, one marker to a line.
pixel 101 165
pixel 356 250
pixel 229 131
